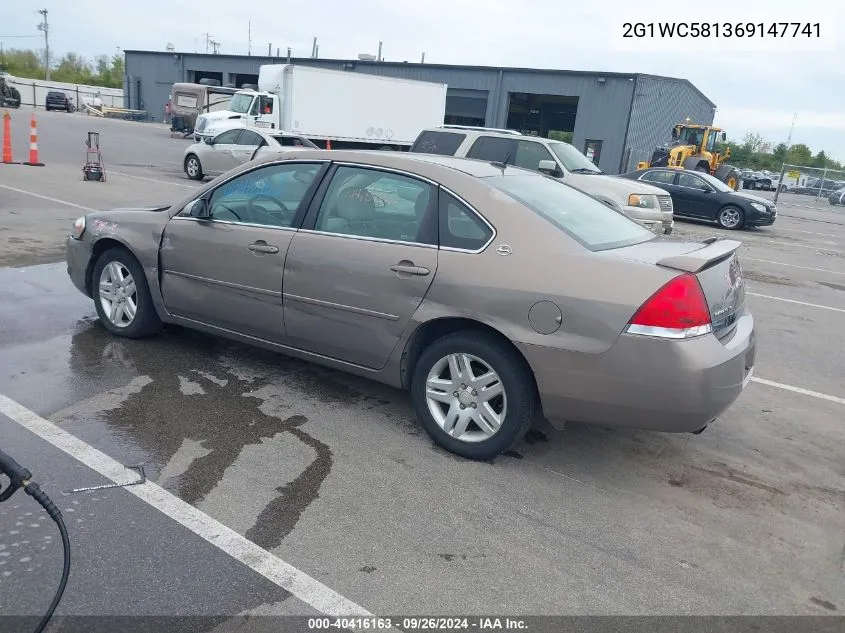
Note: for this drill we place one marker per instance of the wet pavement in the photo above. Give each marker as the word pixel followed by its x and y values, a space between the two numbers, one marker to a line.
pixel 333 474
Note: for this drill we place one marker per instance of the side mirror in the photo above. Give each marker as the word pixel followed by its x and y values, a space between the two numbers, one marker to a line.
pixel 724 137
pixel 208 140
pixel 674 134
pixel 549 167
pixel 198 209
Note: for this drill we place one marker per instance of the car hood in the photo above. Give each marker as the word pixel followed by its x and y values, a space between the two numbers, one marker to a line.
pixel 752 198
pixel 621 187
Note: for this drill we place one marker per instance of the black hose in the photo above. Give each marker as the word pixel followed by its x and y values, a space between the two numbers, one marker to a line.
pixel 20 477
pixel 44 501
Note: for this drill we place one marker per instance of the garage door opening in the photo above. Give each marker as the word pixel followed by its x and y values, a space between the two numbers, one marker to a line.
pixel 241 79
pixel 465 107
pixel 542 115
pixel 194 76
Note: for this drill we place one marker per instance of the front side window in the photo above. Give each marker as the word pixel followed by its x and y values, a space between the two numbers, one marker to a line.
pixel 529 154
pixel 692 181
pixel 269 196
pixel 591 223
pixel 228 138
pixel 377 204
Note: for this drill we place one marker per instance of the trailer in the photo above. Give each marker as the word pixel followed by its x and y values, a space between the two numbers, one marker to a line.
pixel 332 108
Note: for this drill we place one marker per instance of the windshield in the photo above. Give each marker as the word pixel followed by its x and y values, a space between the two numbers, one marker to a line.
pixel 582 217
pixel 717 184
pixel 240 103
pixel 572 159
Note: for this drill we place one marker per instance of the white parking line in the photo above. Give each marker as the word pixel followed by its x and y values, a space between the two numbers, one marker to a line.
pixel 815 248
pixel 768 261
pixel 780 228
pixel 803 303
pixel 277 571
pixel 806 392
pixel 43 197
pixel 163 182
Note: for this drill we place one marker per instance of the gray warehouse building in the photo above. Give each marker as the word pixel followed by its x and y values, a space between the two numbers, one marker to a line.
pixel 617 118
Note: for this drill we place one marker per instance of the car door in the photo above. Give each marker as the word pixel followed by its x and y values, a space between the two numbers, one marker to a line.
pixel 224 268
pixel 247 144
pixel 361 264
pixel 218 157
pixel 695 196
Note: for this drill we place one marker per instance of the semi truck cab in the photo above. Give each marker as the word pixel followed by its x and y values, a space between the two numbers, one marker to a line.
pixel 258 109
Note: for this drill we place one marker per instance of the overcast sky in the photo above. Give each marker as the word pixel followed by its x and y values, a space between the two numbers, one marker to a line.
pixel 754 91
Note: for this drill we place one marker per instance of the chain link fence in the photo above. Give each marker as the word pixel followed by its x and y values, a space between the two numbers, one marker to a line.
pixel 816 187
pixel 34 93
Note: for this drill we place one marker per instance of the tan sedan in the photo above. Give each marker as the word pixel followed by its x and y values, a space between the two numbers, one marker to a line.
pixel 494 294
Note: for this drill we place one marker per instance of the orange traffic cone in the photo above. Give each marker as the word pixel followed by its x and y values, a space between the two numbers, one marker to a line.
pixel 33 144
pixel 7 137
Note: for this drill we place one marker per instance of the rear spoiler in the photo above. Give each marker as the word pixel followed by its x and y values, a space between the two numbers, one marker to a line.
pixel 713 252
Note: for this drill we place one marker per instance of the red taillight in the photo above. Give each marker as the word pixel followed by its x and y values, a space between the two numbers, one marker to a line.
pixel 678 310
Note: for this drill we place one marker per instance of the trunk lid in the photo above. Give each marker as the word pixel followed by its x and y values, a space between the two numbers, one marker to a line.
pixel 714 262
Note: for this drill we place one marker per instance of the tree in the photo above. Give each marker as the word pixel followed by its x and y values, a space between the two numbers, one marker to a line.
pixel 799 154
pixel 752 143
pixel 72 68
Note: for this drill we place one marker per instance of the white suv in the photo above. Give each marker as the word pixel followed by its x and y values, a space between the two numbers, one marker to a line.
pixel 646 204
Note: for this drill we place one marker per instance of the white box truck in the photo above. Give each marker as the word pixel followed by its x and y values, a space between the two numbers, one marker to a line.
pixel 349 110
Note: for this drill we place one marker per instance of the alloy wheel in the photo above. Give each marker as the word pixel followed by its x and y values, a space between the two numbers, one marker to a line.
pixel 466 397
pixel 118 294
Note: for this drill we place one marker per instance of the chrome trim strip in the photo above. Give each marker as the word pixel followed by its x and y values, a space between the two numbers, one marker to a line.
pixel 225 284
pixel 340 306
pixel 365 238
pixel 248 224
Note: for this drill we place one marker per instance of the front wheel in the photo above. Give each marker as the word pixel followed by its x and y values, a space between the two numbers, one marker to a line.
pixel 193 167
pixel 122 296
pixel 474 394
pixel 730 217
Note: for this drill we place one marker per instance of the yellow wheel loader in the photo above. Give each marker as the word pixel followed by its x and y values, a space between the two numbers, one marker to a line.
pixel 693 147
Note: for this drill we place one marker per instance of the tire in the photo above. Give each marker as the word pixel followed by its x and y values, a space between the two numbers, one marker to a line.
pixel 193 166
pixel 520 399
pixel 731 217
pixel 702 169
pixel 728 175
pixel 118 261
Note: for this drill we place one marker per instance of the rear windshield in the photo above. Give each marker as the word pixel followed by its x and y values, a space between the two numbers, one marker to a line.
pixel 442 143
pixel 588 221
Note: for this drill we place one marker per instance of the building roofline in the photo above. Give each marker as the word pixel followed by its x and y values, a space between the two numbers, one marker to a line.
pixel 404 64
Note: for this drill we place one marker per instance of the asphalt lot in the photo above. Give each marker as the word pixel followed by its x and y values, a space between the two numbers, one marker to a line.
pixel 331 474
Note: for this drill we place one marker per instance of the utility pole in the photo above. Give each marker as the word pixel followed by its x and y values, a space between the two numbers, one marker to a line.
pixel 207 42
pixel 215 47
pixel 785 156
pixel 249 45
pixel 43 26
pixel 379 51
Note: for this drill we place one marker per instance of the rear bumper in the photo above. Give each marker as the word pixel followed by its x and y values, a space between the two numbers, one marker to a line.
pixel 670 386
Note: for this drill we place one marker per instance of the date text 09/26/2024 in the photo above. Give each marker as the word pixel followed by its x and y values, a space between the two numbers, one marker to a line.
pixel 780 30
pixel 418 623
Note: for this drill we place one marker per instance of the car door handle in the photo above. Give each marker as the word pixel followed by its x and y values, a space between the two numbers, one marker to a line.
pixel 410 269
pixel 263 247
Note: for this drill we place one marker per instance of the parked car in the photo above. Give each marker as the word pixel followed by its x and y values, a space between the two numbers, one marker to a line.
pixel 756 180
pixel 837 197
pixel 57 100
pixel 494 294
pixel 235 146
pixel 703 197
pixel 648 205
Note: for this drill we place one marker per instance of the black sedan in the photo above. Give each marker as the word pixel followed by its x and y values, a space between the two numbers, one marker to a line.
pixel 700 196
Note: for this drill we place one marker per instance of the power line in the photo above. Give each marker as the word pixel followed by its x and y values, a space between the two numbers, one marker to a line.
pixel 9 37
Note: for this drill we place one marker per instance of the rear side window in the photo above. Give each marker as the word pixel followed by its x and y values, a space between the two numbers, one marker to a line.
pixel 442 143
pixel 460 227
pixel 493 148
pixel 582 217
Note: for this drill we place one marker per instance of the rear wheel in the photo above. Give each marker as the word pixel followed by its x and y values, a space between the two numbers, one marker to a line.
pixel 474 394
pixel 730 217
pixel 193 167
pixel 122 296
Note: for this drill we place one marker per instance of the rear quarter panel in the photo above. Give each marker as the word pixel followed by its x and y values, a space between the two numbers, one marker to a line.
pixel 596 294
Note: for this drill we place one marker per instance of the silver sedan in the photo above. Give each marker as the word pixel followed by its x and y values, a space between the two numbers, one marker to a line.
pixel 234 147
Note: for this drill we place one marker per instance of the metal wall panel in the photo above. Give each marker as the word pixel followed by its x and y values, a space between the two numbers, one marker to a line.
pixel 659 104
